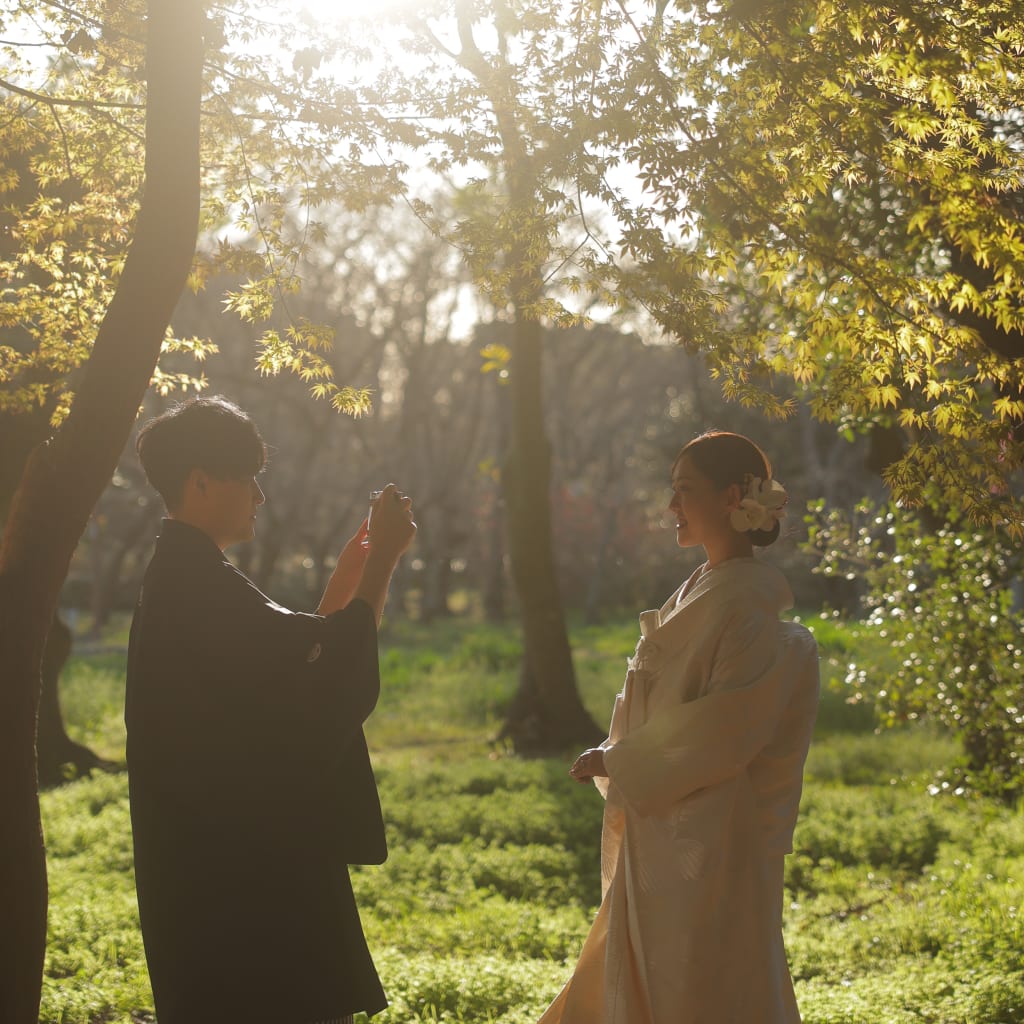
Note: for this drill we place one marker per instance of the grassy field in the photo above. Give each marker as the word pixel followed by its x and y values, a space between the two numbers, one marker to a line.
pixel 904 901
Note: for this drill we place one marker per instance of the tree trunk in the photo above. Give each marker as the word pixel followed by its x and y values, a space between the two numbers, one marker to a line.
pixel 437 570
pixel 109 576
pixel 55 749
pixel 493 552
pixel 546 715
pixel 494 570
pixel 64 477
pixel 19 434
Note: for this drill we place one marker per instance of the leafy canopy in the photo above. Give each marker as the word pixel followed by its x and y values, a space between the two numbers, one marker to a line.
pixel 833 192
pixel 818 190
pixel 72 131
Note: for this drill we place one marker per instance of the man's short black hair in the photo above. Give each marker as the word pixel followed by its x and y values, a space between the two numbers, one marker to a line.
pixel 210 433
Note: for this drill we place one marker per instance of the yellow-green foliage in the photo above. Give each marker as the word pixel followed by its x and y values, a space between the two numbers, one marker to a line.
pixel 840 204
pixel 72 134
pixel 823 190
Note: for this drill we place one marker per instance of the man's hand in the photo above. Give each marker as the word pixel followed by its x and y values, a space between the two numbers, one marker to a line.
pixel 347 573
pixel 391 527
pixel 391 532
pixel 589 765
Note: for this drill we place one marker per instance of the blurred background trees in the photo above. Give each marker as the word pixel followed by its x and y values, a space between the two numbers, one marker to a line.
pixel 819 204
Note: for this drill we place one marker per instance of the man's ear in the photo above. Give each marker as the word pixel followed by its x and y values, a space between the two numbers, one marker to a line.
pixel 197 480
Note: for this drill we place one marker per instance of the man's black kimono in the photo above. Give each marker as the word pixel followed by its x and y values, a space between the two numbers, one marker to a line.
pixel 251 791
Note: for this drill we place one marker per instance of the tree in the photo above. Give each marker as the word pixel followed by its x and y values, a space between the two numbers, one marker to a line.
pixel 20 432
pixel 833 193
pixel 546 713
pixel 836 193
pixel 72 175
pixel 943 597
pixel 505 94
pixel 53 254
pixel 63 478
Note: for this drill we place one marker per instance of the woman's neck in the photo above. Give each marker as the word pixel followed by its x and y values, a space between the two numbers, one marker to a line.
pixel 738 547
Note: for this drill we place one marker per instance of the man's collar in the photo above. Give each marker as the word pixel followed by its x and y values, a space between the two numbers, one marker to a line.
pixel 185 537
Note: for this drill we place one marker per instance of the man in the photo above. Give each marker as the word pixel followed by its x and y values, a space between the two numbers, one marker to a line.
pixel 250 782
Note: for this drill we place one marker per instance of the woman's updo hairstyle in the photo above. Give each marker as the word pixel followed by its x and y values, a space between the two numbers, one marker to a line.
pixel 726 459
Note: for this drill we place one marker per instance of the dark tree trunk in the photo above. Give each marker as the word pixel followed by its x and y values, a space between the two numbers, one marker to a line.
pixel 437 575
pixel 546 715
pixel 494 569
pixel 494 597
pixel 19 434
pixel 56 751
pixel 437 569
pixel 131 537
pixel 64 478
pixel 398 604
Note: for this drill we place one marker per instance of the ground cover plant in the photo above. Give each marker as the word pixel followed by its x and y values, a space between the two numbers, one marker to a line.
pixel 903 898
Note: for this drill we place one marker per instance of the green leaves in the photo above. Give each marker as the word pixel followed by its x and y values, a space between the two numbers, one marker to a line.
pixel 871 218
pixel 834 195
pixel 942 597
pixel 72 135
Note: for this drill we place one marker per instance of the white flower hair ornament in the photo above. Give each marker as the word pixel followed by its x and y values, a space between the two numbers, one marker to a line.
pixel 762 506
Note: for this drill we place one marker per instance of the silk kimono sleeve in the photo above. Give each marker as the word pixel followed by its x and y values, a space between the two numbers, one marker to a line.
pixel 757 668
pixel 242 713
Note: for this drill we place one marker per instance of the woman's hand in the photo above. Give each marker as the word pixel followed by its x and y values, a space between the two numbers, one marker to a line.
pixel 589 765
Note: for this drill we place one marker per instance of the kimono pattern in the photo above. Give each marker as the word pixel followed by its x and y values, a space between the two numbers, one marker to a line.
pixel 705 756
pixel 251 791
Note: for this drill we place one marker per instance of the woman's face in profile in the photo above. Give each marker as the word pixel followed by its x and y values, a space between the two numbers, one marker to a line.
pixel 700 508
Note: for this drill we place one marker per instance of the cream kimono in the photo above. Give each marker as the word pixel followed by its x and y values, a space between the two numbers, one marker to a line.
pixel 705 758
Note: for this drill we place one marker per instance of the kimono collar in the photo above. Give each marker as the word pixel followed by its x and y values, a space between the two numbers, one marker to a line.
pixel 748 579
pixel 188 541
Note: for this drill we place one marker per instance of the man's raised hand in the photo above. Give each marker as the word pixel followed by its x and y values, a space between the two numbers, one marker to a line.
pixel 391 526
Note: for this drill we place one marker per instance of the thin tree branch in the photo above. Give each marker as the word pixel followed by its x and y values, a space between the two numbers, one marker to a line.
pixel 67 101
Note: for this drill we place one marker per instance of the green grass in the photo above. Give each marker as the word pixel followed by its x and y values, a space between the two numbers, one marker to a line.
pixel 903 906
pixel 92 699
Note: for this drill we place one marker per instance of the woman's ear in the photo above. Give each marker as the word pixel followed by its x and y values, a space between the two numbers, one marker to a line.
pixel 733 496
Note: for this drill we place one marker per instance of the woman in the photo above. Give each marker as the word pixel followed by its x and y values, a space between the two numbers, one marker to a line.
pixel 702 773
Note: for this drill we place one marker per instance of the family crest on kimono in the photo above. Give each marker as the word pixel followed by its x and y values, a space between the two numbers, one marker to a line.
pixel 702 773
pixel 250 784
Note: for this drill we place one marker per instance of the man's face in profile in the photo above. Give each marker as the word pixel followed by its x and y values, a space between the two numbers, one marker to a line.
pixel 229 508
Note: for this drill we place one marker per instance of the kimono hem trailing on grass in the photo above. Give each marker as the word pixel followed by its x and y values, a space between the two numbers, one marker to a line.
pixel 705 758
pixel 251 791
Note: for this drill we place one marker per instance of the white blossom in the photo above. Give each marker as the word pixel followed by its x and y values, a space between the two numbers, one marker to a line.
pixel 762 506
